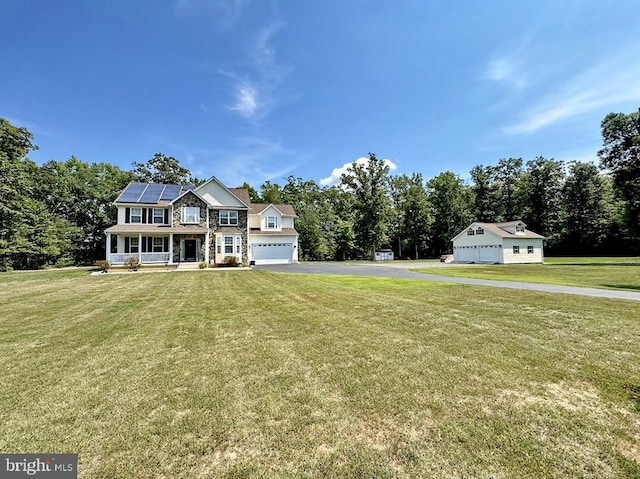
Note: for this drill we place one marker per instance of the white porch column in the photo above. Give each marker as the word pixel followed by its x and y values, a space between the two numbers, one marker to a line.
pixel 140 248
pixel 206 247
pixel 108 250
pixel 170 247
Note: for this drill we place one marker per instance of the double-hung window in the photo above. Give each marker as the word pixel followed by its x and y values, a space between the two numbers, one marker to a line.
pixel 158 216
pixel 228 245
pixel 136 215
pixel 516 250
pixel 228 218
pixel 519 229
pixel 529 249
pixel 272 222
pixel 470 232
pixel 158 245
pixel 479 231
pixel 134 244
pixel 190 215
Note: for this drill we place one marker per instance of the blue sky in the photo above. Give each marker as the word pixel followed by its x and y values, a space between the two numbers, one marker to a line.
pixel 255 90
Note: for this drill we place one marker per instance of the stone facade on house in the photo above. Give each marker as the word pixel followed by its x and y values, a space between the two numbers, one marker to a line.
pixel 189 199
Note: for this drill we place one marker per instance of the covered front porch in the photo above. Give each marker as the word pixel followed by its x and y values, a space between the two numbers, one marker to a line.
pixel 157 248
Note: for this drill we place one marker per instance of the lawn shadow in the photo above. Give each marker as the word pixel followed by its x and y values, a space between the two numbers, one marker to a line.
pixel 595 264
pixel 634 395
pixel 632 287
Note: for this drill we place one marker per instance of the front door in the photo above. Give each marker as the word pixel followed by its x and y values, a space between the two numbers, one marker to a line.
pixel 189 250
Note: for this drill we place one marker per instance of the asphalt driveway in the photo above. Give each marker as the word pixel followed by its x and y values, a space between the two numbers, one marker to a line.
pixel 401 270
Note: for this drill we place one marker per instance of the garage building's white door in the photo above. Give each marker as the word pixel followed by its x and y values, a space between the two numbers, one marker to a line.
pixel 271 253
pixel 488 254
pixel 463 254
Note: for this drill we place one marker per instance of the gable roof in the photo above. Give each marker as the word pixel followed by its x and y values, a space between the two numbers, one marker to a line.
pixel 186 192
pixel 286 210
pixel 498 230
pixel 241 193
pixel 232 191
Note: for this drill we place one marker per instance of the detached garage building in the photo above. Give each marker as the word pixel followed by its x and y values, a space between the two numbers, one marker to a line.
pixel 506 243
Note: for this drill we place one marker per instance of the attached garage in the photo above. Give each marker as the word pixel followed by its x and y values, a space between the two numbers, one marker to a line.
pixel 272 253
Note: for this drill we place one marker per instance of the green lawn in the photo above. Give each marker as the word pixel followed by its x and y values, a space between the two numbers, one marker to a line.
pixel 253 374
pixel 607 273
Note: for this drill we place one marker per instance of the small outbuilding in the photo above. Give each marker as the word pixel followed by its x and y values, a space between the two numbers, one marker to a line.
pixel 505 243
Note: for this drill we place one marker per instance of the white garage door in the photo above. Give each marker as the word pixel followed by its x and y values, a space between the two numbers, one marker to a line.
pixel 271 253
pixel 489 254
pixel 464 254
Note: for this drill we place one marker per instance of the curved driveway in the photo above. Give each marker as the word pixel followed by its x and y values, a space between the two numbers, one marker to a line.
pixel 401 270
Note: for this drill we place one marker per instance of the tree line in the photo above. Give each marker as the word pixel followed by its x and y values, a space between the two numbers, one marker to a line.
pixel 56 213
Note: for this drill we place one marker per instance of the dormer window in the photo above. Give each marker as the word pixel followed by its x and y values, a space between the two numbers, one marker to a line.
pixel 470 232
pixel 479 231
pixel 272 222
pixel 520 228
pixel 228 218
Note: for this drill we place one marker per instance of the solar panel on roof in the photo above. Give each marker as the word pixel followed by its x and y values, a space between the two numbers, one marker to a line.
pixel 151 194
pixel 132 192
pixel 170 192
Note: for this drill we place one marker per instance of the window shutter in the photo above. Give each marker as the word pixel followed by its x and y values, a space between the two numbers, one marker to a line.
pixel 144 215
pixel 150 215
pixel 166 217
pixel 144 244
pixel 166 244
pixel 126 243
pixel 127 216
pixel 150 244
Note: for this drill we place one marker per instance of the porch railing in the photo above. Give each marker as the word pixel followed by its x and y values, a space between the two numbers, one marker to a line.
pixel 145 258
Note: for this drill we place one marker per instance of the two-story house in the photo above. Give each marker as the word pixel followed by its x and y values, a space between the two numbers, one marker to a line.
pixel 160 223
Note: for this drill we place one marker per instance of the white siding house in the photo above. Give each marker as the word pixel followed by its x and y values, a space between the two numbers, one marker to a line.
pixel 506 243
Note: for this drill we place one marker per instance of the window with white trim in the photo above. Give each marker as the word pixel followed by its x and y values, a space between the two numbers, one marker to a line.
pixel 271 222
pixel 136 215
pixel 520 229
pixel 134 244
pixel 479 231
pixel 228 245
pixel 190 215
pixel 470 232
pixel 228 218
pixel 158 216
pixel 529 249
pixel 158 245
pixel 516 250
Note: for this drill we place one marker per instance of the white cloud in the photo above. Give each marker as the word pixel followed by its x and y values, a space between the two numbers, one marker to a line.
pixel 336 173
pixel 255 92
pixel 506 70
pixel 606 86
pixel 246 100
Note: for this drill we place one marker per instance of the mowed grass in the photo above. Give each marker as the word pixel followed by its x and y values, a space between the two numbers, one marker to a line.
pixel 605 273
pixel 255 374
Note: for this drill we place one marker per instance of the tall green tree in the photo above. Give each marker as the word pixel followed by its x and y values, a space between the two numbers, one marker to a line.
pixel 368 183
pixel 621 156
pixel 270 193
pixel 541 194
pixel 30 235
pixel 253 193
pixel 589 206
pixel 413 212
pixel 451 206
pixel 82 194
pixel 486 203
pixel 508 178
pixel 163 169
